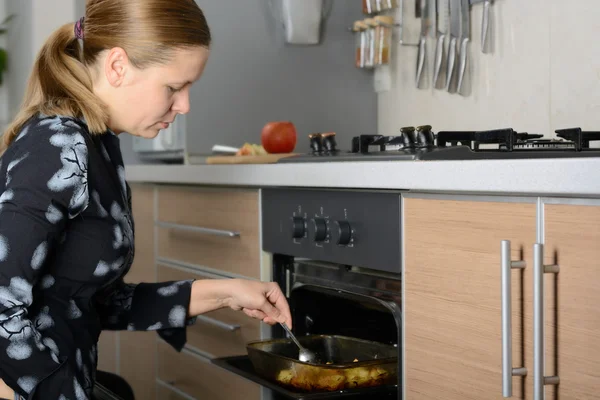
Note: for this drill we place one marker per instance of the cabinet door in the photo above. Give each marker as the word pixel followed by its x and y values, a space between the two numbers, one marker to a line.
pixel 452 286
pixel 137 361
pixel 572 298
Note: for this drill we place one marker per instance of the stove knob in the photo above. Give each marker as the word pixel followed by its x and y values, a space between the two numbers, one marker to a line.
pixel 316 143
pixel 344 233
pixel 424 136
pixel 329 142
pixel 320 229
pixel 408 137
pixel 298 228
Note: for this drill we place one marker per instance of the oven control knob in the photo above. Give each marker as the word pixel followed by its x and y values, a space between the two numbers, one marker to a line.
pixel 320 229
pixel 298 227
pixel 344 233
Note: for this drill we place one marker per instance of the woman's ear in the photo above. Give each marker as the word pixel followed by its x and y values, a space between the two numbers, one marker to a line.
pixel 116 66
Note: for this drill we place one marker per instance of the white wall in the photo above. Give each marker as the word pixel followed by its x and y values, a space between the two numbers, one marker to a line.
pixel 49 16
pixel 4 87
pixel 544 73
pixel 20 53
pixel 35 20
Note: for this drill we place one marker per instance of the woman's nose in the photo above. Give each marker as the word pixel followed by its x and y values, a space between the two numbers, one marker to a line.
pixel 182 102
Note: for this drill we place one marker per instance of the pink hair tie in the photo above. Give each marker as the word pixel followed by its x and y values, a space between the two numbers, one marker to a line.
pixel 79 28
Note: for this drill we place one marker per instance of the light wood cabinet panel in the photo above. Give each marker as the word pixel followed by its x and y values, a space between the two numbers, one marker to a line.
pixel 216 338
pixel 452 308
pixel 137 361
pixel 200 379
pixel 572 299
pixel 224 210
pixel 164 393
pixel 143 268
pixel 107 351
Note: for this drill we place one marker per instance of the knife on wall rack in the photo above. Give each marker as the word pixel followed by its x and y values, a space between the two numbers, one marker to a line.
pixel 427 28
pixel 465 37
pixel 454 37
pixel 443 15
pixel 485 23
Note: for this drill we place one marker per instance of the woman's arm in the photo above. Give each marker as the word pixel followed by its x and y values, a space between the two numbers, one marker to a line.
pixel 165 305
pixel 260 300
pixel 6 392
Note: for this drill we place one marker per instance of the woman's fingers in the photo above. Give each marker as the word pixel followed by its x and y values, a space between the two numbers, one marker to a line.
pixel 261 300
pixel 275 297
pixel 254 313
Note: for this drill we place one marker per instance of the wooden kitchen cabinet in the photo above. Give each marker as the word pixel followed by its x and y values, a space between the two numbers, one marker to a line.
pixel 452 309
pixel 200 379
pixel 107 351
pixel 216 229
pixel 572 298
pixel 452 288
pixel 165 393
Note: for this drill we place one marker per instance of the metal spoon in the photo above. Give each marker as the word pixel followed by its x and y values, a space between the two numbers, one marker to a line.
pixel 305 354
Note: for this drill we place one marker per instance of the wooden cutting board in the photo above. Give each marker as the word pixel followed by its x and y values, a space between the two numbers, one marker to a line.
pixel 263 159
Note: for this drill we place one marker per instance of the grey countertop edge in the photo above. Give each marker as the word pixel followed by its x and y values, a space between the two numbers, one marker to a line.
pixel 546 177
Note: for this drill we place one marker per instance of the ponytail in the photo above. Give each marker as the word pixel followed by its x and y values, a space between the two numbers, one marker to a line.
pixel 59 84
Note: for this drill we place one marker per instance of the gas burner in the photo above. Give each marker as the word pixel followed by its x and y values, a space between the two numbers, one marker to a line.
pixel 580 139
pixel 545 144
pixel 510 140
pixel 420 143
pixel 410 138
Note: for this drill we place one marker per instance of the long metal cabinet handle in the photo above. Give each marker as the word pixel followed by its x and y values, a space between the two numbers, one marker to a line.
pixel 198 229
pixel 507 366
pixel 539 269
pixel 218 324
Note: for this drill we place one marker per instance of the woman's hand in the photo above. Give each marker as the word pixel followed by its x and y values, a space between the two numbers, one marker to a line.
pixel 260 300
pixel 5 391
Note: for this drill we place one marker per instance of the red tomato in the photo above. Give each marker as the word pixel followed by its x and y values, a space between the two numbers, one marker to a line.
pixel 279 137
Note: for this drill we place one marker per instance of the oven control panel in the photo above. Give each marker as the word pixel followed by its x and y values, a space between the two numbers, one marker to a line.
pixel 358 228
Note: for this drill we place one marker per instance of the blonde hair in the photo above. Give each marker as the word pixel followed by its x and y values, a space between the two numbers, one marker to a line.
pixel 148 30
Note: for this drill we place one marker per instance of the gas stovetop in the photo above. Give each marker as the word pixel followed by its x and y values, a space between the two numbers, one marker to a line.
pixel 421 143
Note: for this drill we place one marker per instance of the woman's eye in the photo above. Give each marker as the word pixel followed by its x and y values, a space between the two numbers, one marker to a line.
pixel 172 89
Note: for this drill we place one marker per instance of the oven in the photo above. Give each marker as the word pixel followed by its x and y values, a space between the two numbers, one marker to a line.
pixel 336 255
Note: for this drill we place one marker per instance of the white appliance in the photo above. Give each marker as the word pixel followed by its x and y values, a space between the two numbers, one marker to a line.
pixel 301 20
pixel 169 145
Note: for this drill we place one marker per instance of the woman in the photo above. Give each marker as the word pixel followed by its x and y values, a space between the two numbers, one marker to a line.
pixel 66 232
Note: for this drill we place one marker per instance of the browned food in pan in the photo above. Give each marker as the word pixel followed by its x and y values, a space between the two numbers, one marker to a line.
pixel 306 377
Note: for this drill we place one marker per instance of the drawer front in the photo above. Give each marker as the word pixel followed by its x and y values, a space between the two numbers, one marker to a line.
pixel 200 379
pixel 164 393
pixel 219 333
pixel 218 229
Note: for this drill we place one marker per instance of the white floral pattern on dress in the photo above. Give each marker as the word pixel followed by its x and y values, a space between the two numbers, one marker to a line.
pixel 73 174
pixel 66 241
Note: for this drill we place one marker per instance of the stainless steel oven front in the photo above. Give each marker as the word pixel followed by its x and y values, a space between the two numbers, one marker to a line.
pixel 336 254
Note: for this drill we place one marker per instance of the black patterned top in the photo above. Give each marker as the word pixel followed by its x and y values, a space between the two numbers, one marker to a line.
pixel 66 242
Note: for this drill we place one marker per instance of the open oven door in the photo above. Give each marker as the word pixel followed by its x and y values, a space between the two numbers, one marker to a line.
pixel 318 310
pixel 241 365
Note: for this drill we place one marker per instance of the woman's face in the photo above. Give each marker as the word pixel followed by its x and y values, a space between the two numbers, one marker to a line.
pixel 141 102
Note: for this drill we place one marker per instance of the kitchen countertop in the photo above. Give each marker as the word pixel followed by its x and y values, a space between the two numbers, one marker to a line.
pixel 550 177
